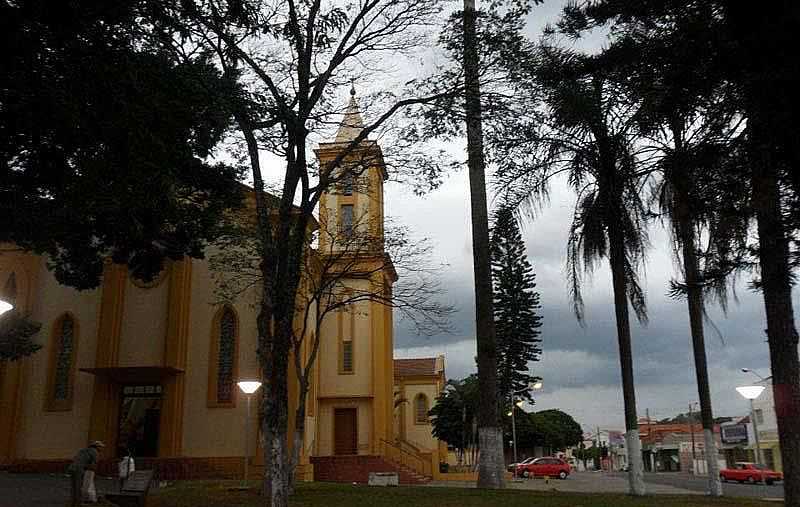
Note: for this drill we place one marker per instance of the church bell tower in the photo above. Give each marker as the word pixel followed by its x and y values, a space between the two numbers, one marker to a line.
pixel 356 375
pixel 351 210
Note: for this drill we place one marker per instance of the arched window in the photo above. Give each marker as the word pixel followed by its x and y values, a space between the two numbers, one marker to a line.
pixel 421 409
pixel 61 373
pixel 224 364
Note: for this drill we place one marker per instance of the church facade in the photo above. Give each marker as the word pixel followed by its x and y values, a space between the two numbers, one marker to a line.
pixel 152 367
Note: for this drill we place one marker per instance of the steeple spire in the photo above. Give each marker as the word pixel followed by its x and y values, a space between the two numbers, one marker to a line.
pixel 352 124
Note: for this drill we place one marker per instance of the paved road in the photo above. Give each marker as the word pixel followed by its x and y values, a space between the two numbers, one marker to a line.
pixel 582 482
pixel 698 484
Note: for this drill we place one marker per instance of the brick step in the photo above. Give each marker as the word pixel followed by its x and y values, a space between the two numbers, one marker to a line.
pixel 356 469
pixel 411 472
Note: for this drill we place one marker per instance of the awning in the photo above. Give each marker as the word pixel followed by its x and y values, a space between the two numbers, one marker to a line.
pixel 134 374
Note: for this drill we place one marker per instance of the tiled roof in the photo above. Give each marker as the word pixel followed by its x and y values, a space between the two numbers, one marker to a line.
pixel 411 367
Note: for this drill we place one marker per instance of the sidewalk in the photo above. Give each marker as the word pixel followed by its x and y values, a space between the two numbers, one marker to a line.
pixel 41 490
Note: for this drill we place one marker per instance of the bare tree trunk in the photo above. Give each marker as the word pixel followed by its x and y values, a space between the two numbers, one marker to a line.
pixel 632 442
pixel 266 308
pixel 490 435
pixel 278 418
pixel 297 445
pixel 278 471
pixel 266 442
pixel 299 435
pixel 781 331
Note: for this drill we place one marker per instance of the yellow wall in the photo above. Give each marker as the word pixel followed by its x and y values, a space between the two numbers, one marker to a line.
pixel 144 325
pixel 355 321
pixel 44 434
pixel 418 434
pixel 207 431
pixel 217 431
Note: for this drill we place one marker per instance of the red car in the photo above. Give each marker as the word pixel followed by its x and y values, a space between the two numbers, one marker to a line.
pixel 751 473
pixel 551 467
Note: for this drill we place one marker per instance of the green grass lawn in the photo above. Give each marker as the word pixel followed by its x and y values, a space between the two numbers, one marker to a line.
pixel 217 494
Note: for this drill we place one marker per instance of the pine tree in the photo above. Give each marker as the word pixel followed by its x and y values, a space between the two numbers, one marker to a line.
pixel 515 307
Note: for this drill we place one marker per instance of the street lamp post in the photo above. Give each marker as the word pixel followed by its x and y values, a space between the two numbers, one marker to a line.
pixel 751 393
pixel 533 386
pixel 748 370
pixel 514 404
pixel 5 307
pixel 691 430
pixel 248 387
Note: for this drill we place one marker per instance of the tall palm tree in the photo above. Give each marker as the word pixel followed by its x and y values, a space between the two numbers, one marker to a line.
pixel 750 47
pixel 491 467
pixel 587 133
pixel 685 113
pixel 762 70
pixel 685 198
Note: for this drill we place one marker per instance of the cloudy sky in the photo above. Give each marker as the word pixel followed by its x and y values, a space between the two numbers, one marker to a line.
pixel 580 366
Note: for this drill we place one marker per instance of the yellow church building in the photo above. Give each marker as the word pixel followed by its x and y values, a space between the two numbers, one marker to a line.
pixel 153 367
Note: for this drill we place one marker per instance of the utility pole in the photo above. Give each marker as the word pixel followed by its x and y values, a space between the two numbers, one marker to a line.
pixel 514 432
pixel 463 432
pixel 691 430
pixel 755 432
pixel 599 450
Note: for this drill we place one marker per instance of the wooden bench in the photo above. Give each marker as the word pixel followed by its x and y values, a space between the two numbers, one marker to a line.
pixel 134 490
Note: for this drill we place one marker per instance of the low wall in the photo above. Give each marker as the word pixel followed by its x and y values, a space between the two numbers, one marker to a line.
pixel 169 469
pixel 457 476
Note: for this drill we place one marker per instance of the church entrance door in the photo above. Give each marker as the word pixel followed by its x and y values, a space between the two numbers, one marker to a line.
pixel 140 412
pixel 345 431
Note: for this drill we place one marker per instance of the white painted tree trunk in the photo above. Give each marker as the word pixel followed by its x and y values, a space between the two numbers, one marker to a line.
pixel 297 446
pixel 491 466
pixel 714 484
pixel 635 464
pixel 278 469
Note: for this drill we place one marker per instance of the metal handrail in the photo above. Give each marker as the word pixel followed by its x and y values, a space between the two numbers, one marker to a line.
pixel 406 458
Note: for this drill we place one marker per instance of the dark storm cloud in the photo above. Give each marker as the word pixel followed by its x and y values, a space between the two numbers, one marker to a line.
pixel 580 365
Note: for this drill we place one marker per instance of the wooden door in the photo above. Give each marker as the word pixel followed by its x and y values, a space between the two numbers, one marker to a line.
pixel 345 431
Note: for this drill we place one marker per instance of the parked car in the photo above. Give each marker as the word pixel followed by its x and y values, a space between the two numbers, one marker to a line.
pixel 551 467
pixel 750 472
pixel 513 466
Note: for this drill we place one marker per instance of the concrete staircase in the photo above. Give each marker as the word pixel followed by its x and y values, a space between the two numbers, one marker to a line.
pixel 356 469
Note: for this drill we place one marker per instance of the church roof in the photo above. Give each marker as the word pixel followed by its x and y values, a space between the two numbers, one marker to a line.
pixel 416 367
pixel 352 123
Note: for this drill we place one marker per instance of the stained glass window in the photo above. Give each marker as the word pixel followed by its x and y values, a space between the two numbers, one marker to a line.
pixel 226 357
pixel 347 356
pixel 347 220
pixel 65 343
pixel 421 409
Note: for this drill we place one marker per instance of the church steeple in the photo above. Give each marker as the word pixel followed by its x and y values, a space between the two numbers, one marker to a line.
pixel 353 204
pixel 352 124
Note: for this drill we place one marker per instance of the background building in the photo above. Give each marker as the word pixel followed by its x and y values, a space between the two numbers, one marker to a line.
pixel 767 423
